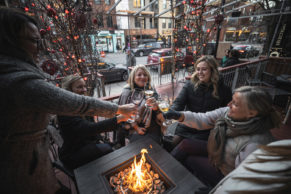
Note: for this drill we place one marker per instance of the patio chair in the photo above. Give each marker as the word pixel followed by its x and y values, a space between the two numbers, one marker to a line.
pixel 55 142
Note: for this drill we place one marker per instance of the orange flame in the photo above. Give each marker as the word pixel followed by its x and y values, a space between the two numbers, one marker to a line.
pixel 139 179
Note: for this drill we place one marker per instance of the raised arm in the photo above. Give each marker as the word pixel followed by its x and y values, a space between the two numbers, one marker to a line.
pixel 45 97
pixel 202 121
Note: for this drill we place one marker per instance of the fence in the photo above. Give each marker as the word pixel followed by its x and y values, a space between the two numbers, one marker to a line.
pixel 234 76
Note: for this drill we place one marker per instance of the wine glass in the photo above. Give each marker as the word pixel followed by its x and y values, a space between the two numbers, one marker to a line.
pixel 136 98
pixel 164 106
pixel 148 93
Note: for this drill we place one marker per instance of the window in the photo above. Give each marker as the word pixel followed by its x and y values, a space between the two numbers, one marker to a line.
pixel 109 21
pixel 107 2
pixel 151 23
pixel 98 2
pixel 99 18
pixel 137 22
pixel 138 3
pixel 164 23
pixel 164 4
pixel 155 22
pixel 170 24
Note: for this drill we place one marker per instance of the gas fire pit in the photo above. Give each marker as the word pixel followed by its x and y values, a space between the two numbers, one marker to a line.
pixel 114 173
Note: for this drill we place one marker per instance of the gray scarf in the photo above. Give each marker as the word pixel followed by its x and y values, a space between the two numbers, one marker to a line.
pixel 225 128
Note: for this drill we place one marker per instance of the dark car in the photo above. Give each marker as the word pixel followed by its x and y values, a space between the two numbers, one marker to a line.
pixel 246 51
pixel 112 72
pixel 156 55
pixel 145 49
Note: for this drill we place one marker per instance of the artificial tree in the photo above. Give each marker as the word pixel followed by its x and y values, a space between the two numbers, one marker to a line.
pixel 66 28
pixel 191 30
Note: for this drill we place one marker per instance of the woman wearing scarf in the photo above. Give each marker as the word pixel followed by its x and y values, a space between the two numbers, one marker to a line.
pixel 150 119
pixel 238 130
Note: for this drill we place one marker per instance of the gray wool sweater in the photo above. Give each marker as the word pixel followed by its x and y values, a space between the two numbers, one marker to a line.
pixel 26 100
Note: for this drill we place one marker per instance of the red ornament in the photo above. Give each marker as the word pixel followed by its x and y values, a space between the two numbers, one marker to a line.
pixel 95 21
pixel 42 32
pixel 49 67
pixel 51 12
pixel 26 9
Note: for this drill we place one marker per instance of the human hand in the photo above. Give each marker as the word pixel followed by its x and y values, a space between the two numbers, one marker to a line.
pixel 127 109
pixel 123 118
pixel 152 103
pixel 172 114
pixel 140 130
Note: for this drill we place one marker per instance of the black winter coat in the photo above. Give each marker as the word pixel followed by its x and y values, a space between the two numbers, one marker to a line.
pixel 199 100
pixel 231 61
pixel 78 132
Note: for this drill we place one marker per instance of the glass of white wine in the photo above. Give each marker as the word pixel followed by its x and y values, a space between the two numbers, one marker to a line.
pixel 148 93
pixel 136 98
pixel 164 106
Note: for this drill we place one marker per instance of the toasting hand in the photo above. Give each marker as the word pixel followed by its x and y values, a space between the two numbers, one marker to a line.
pixel 172 114
pixel 127 109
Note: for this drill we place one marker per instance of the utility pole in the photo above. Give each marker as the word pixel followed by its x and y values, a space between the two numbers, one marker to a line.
pixel 219 29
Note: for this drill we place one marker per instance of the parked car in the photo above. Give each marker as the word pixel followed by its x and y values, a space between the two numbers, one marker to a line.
pixel 145 49
pixel 246 51
pixel 112 72
pixel 156 55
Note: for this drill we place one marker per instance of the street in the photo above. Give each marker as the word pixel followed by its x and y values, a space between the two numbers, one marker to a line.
pixel 116 87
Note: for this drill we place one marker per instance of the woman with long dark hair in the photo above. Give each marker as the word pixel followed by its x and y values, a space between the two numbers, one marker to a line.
pixel 205 92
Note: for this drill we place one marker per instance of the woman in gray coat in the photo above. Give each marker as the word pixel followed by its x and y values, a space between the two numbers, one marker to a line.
pixel 238 130
pixel 26 100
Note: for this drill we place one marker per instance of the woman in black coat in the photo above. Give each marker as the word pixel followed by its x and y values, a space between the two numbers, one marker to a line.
pixel 82 140
pixel 205 92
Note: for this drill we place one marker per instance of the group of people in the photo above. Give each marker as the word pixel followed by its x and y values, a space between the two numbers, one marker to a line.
pixel 217 131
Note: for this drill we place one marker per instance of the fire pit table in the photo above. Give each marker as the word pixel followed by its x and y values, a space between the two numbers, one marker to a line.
pixel 96 176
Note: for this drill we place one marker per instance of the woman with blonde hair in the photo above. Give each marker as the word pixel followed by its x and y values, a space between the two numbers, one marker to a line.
pixel 205 92
pixel 238 130
pixel 149 119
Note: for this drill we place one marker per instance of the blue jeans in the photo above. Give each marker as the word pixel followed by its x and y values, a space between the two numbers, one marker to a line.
pixel 192 153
